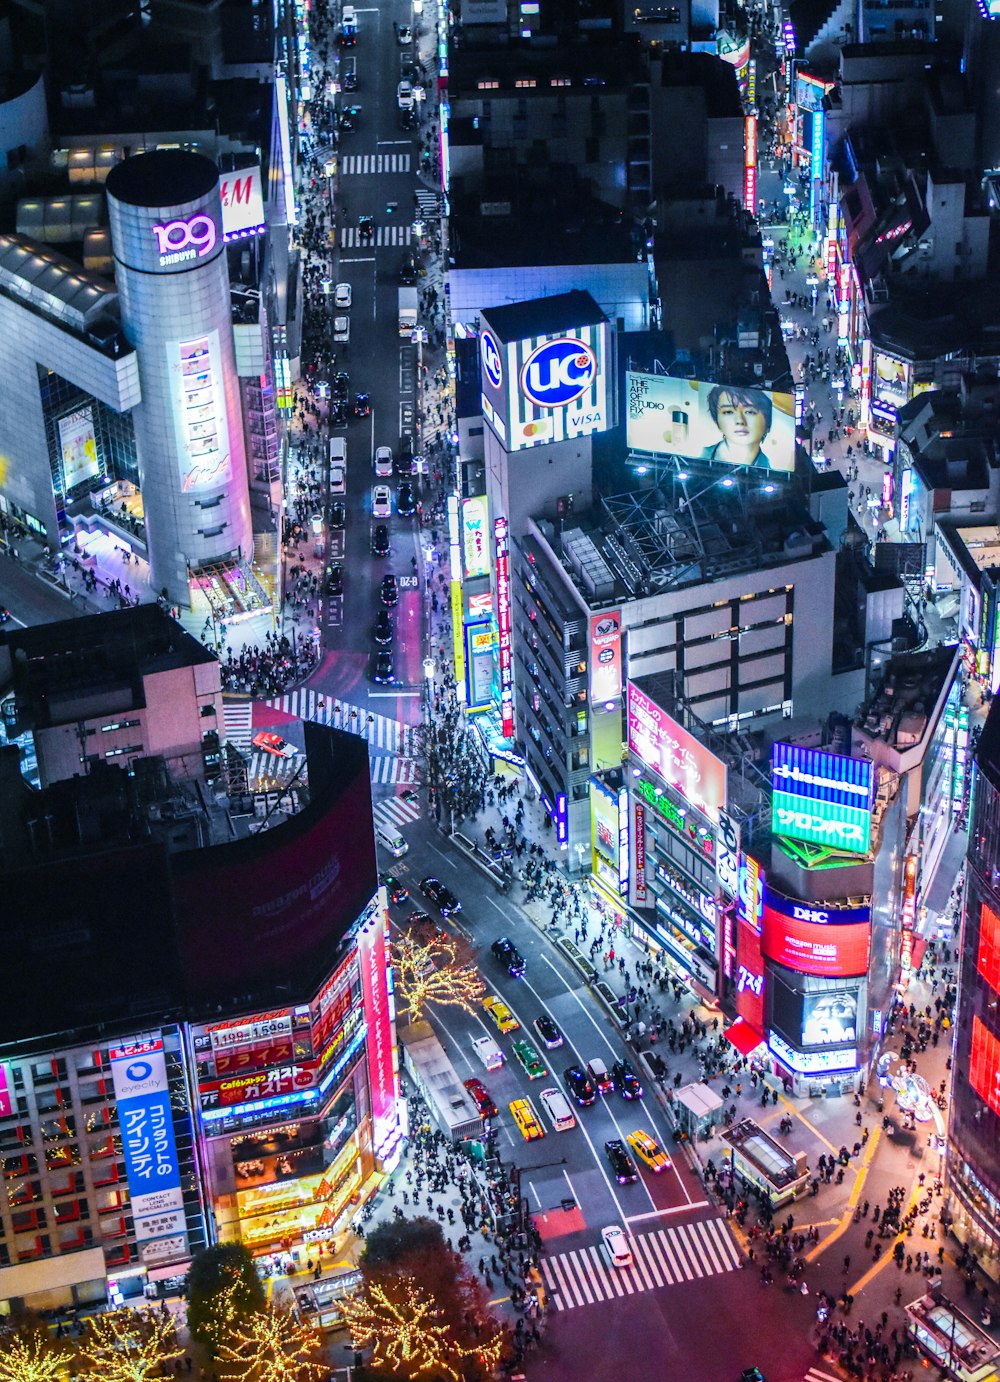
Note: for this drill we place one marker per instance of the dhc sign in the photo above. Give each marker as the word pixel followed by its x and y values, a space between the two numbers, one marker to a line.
pixel 558 372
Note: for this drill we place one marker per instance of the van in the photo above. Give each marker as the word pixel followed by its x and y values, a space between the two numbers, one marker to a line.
pixel 392 841
pixel 488 1052
pixel 556 1106
pixel 338 451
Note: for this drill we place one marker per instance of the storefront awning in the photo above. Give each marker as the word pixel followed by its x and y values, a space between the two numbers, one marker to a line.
pixel 744 1037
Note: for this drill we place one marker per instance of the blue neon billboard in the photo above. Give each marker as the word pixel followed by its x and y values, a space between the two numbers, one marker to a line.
pixel 822 798
pixel 817 154
pixel 139 1074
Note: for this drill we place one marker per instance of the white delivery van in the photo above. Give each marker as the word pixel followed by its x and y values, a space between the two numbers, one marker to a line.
pixel 392 841
pixel 556 1106
pixel 488 1052
pixel 338 450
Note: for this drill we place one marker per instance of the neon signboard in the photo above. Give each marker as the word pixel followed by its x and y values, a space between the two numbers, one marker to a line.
pixel 822 798
pixel 178 241
pixel 375 991
pixel 680 759
pixel 984 1064
pixel 139 1075
pixel 832 942
pixel 640 852
pixel 502 549
pixel 988 957
pixel 749 976
pixel 750 164
pixel 474 541
pixel 605 656
pixel 817 149
pixel 909 914
pixel 242 203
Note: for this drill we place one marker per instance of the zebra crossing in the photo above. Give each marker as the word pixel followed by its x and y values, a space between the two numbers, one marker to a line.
pixel 353 164
pixel 388 769
pixel 350 239
pixel 380 731
pixel 665 1257
pixel 428 203
pixel 816 1375
pixel 266 771
pixel 394 811
pixel 237 721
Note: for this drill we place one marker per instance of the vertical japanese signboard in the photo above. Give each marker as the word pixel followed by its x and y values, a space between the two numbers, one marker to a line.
pixel 139 1074
pixel 375 992
pixel 501 544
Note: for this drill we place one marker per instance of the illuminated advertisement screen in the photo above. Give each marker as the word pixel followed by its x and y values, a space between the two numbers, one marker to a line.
pixel 6 1096
pixel 823 798
pixel 749 976
pixel 373 960
pixel 984 1064
pixel 242 199
pixel 809 91
pixel 750 164
pixel 475 537
pixel 668 749
pixel 78 448
pixel 735 426
pixel 609 836
pixel 480 640
pixel 832 942
pixel 605 656
pixel 988 957
pixel 892 378
pixel 830 1019
pixel 200 422
pixel 139 1075
pixel 547 388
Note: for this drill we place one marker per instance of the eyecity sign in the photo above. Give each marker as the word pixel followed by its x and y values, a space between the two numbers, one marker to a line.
pixel 181 240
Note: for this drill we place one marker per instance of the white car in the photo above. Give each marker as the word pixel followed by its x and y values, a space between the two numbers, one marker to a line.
pixel 338 479
pixel 341 329
pixel 349 17
pixel 616 1246
pixel 381 501
pixel 383 462
pixel 404 95
pixel 342 295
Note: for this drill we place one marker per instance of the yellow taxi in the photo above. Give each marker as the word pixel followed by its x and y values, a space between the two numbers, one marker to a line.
pixel 526 1119
pixel 648 1150
pixel 501 1015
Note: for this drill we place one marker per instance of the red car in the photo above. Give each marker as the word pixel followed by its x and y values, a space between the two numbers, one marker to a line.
pixel 480 1096
pixel 273 743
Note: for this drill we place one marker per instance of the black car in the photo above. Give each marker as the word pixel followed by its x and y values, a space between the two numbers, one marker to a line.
pixel 380 540
pixel 383 627
pixel 362 405
pixel 382 669
pixel 348 38
pixel 350 81
pixel 622 1165
pixel 406 505
pixel 548 1031
pixel 408 119
pixel 509 956
pixel 443 898
pixel 408 271
pixel 335 578
pixel 388 591
pixel 338 515
pixel 347 120
pixel 338 413
pixel 626 1080
pixel 404 35
pixel 395 890
pixel 581 1087
pixel 366 227
pixel 342 386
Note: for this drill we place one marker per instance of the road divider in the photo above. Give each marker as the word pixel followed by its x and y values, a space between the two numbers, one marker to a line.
pixel 478 856
pixel 577 959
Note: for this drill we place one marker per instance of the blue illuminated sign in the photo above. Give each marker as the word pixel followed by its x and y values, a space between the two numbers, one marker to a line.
pixel 489 353
pixel 818 142
pixel 823 798
pixel 558 372
pixel 139 1075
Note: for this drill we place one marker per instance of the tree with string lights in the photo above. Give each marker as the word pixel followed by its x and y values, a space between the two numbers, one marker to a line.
pixel 223 1285
pixel 270 1346
pixel 32 1355
pixel 433 968
pixel 128 1346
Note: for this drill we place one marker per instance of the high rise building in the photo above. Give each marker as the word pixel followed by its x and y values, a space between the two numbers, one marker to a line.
pixel 973 1166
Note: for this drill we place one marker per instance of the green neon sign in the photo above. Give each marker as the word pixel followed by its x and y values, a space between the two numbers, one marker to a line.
pixel 665 808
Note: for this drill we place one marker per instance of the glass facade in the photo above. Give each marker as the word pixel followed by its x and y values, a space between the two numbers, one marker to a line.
pixel 113 438
pixel 974 1148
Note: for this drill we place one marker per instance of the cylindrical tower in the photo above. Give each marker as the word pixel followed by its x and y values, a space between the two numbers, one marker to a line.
pixel 173 284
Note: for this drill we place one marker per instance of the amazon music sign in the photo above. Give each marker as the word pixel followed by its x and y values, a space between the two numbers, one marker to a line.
pixel 546 387
pixel 814 938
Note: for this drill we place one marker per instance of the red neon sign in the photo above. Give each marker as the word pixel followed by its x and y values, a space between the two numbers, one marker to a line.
pixel 375 991
pixel 988 958
pixel 750 164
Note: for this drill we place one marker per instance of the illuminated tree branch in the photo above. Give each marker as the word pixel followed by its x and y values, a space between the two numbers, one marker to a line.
pixel 438 971
pixel 128 1346
pixel 403 1329
pixel 270 1346
pixel 32 1357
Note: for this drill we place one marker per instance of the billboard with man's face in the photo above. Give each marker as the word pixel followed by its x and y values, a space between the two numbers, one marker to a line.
pixel 734 425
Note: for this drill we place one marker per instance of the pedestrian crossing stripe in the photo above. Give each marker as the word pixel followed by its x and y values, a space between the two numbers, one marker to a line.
pixel 384 235
pixel 666 1257
pixel 428 203
pixel 386 768
pixel 354 164
pixel 379 731
pixel 815 1375
pixel 394 811
pixel 237 721
pixel 266 769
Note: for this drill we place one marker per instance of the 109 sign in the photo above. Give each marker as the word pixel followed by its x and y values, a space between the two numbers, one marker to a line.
pixel 181 240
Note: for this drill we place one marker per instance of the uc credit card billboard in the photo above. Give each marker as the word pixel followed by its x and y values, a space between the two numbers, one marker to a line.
pixel 742 427
pixel 548 387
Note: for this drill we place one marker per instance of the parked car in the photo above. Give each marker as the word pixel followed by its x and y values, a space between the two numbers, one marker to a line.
pixel 338 478
pixel 334 579
pixel 383 462
pixel 349 81
pixel 443 897
pixel 404 95
pixel 388 591
pixel 341 330
pixel 342 386
pixel 406 504
pixel 380 541
pixel 404 35
pixel 338 515
pixel 342 295
pixel 383 627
